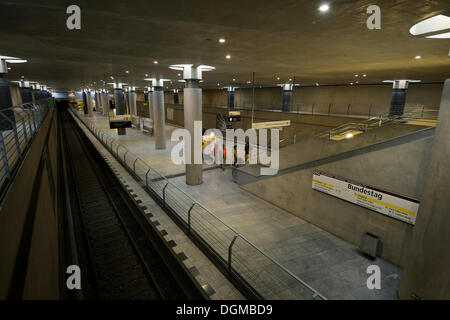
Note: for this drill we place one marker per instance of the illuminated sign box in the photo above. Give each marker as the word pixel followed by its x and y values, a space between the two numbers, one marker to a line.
pixel 119 121
pixel 271 124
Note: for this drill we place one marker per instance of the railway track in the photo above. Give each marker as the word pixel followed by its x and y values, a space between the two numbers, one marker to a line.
pixel 121 255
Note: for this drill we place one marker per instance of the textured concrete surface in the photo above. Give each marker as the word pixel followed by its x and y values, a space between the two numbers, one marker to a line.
pixel 294 39
pixel 310 148
pixel 399 169
pixel 143 145
pixel 331 265
pixel 427 269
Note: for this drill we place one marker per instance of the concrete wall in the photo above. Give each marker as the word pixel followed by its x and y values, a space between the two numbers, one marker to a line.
pixel 310 148
pixel 358 100
pixel 422 96
pixel 426 275
pixel 169 97
pixel 265 98
pixel 42 271
pixel 303 126
pixel 398 169
pixel 178 114
pixel 218 97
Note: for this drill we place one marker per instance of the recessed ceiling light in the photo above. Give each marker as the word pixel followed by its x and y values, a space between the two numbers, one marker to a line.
pixel 324 8
pixel 317 84
pixel 155 62
pixel 234 79
pixel 356 75
pixel 179 74
pixel 351 83
pixel 146 74
pixel 9 68
pixel 278 78
pixel 222 40
pixel 364 75
pixel 349 135
pixel 228 56
pixel 418 57
pixel 16 60
pixel 127 71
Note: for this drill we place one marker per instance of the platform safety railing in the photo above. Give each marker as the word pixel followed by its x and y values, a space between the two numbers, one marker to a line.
pixel 18 127
pixel 265 275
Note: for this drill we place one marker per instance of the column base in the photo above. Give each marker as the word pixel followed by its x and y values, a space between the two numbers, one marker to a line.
pixel 194 174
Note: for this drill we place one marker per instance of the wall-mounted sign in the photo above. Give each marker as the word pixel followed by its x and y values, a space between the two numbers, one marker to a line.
pixel 271 124
pixel 121 117
pixel 119 121
pixel 234 113
pixel 384 202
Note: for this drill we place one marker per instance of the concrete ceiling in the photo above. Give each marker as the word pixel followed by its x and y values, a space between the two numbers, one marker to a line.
pixel 272 38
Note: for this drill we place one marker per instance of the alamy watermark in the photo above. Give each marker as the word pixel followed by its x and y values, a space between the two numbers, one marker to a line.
pixel 232 150
pixel 374 280
pixel 74 279
pixel 73 22
pixel 374 20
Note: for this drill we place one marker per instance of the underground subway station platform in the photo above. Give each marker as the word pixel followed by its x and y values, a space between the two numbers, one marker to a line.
pixel 225 151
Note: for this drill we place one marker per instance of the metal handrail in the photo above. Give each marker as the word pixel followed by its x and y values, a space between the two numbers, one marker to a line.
pixel 24 122
pixel 237 235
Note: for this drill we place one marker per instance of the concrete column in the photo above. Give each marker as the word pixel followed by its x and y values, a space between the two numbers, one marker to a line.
pixel 176 99
pixel 97 102
pixel 287 97
pixel 159 117
pixel 230 97
pixel 85 106
pixel 25 92
pixel 33 92
pixel 398 99
pixel 7 121
pixel 150 103
pixel 89 103
pixel 105 103
pixel 146 100
pixel 132 101
pixel 193 112
pixel 127 101
pixel 101 107
pixel 119 100
pixel 426 274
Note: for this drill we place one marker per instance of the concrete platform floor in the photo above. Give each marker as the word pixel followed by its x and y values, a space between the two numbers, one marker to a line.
pixel 331 265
